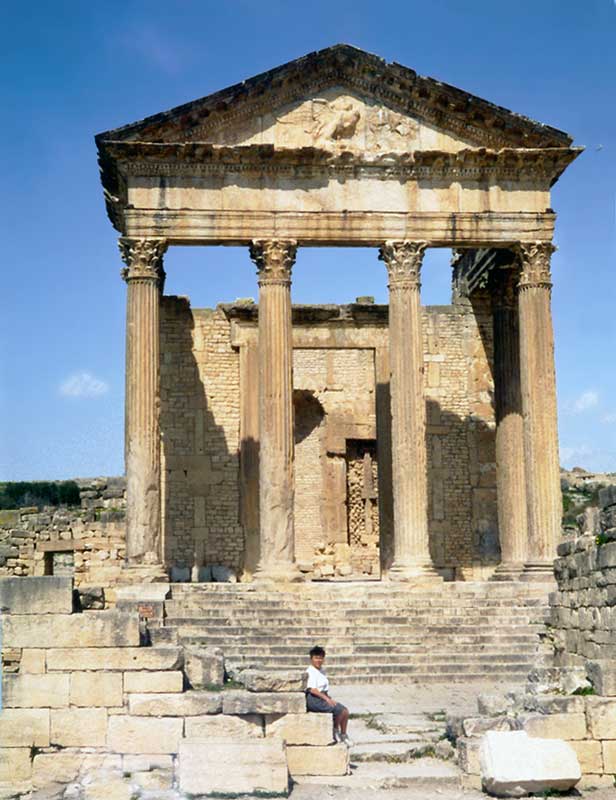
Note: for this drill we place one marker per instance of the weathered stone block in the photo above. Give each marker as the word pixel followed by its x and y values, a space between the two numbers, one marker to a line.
pixel 607 496
pixel 95 629
pixel 589 755
pixel 513 764
pixel 15 764
pixel 143 734
pixel 106 789
pixel 312 729
pixel 153 682
pixel 100 689
pixel 53 770
pixel 240 702
pixel 32 662
pixel 555 704
pixel 212 767
pixel 607 556
pixel 35 691
pixel 601 716
pixel 79 727
pixel 306 760
pixel 267 681
pixel 114 658
pixel 468 754
pixel 493 704
pixel 608 749
pixel 191 704
pixel 224 726
pixel 42 595
pixel 24 727
pixel 602 675
pixel 204 666
pixel 477 726
pixel 554 726
pixel 145 762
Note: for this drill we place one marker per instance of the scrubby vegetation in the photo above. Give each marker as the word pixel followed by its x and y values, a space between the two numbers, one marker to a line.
pixel 21 494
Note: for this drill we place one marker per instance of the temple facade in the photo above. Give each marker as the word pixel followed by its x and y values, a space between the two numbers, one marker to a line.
pixel 403 442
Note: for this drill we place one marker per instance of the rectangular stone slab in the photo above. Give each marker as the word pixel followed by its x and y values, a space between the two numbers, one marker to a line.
pixel 601 715
pixel 312 729
pixel 24 727
pixel 148 682
pixel 96 629
pixel 188 704
pixel 306 760
pixel 136 735
pixel 210 766
pixel 513 762
pixel 114 658
pixel 79 727
pixel 35 691
pixel 224 726
pixel 96 689
pixel 37 595
pixel 244 702
pixel 15 764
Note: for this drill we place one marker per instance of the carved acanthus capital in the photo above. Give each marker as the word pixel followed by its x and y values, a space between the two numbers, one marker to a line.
pixel 143 259
pixel 274 259
pixel 403 261
pixel 535 264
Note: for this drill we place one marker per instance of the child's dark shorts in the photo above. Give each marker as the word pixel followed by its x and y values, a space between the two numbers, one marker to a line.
pixel 318 704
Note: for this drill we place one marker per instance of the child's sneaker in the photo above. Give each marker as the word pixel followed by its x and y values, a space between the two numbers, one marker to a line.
pixel 346 739
pixel 337 737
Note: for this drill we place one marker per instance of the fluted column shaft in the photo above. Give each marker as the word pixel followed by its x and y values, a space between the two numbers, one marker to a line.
pixel 144 276
pixel 274 260
pixel 510 469
pixel 539 406
pixel 408 412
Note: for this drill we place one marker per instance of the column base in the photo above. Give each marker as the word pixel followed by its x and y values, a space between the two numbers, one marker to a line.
pixel 508 571
pixel 538 571
pixel 413 573
pixel 277 574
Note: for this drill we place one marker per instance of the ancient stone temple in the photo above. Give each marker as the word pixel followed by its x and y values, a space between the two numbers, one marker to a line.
pixel 402 441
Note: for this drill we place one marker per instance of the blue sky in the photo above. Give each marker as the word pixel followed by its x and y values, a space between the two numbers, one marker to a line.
pixel 73 69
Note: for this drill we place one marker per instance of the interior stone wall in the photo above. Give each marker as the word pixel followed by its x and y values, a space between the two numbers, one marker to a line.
pixel 200 408
pixel 335 393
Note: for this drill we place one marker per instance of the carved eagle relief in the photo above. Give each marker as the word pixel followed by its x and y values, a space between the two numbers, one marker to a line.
pixel 340 121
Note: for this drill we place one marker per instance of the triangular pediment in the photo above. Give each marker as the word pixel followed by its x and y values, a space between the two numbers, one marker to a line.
pixel 343 98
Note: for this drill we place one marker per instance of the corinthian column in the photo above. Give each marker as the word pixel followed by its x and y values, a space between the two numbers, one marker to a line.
pixel 144 276
pixel 274 260
pixel 510 470
pixel 408 413
pixel 539 406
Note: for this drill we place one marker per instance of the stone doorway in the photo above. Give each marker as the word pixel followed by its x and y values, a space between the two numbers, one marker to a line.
pixel 363 508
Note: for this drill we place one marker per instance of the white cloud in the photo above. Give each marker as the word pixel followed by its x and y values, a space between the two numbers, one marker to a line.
pixel 588 399
pixel 609 418
pixel 83 384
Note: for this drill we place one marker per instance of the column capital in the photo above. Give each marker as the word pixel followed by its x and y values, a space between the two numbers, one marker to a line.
pixel 274 259
pixel 403 260
pixel 143 259
pixel 535 264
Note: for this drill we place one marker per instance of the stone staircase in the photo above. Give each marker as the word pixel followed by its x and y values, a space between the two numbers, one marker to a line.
pixel 372 632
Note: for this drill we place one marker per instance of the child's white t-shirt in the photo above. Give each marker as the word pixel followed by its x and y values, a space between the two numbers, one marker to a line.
pixel 317 679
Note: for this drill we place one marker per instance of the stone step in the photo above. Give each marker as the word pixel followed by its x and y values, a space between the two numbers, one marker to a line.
pixel 350 649
pixel 341 627
pixel 427 774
